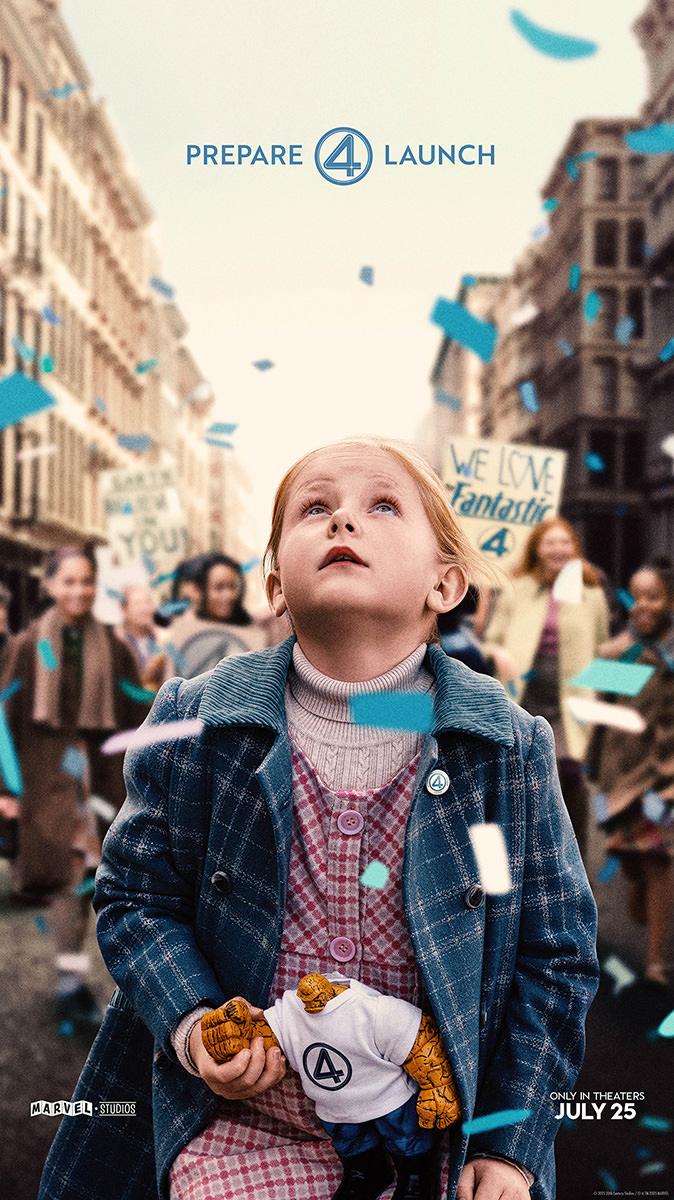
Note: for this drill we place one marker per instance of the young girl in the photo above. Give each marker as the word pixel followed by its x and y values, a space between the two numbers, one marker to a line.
pixel 234 869
pixel 70 667
pixel 635 772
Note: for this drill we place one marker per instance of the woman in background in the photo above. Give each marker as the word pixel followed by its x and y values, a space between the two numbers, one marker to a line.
pixel 217 624
pixel 539 643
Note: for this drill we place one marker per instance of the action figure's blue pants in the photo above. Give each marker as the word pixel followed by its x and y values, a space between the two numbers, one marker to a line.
pixel 399 1130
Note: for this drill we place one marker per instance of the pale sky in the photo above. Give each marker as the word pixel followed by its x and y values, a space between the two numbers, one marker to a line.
pixel 265 260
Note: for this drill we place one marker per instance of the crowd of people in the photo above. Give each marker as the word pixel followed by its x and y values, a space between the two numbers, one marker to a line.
pixel 69 682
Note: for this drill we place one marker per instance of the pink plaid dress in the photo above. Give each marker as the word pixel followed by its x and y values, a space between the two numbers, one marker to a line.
pixel 273 1147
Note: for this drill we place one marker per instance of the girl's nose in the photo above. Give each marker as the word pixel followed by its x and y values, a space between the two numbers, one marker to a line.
pixel 341 519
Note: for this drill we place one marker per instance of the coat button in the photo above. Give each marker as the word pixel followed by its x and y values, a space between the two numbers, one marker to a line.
pixel 473 896
pixel 350 822
pixel 342 949
pixel 437 783
pixel 222 883
pixel 162 1061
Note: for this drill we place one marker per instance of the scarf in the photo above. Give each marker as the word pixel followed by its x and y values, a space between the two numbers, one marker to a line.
pixel 97 709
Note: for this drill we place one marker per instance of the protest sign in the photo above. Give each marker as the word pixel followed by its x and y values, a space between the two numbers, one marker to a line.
pixel 144 516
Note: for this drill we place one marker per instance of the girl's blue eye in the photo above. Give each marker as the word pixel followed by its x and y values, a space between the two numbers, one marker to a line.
pixel 385 506
pixel 317 506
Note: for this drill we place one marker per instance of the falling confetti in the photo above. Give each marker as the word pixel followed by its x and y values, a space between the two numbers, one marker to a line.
pixel 572 170
pixel 592 306
pixel 469 280
pixel 9 763
pixel 86 888
pixel 511 688
pixel 491 857
pixel 50 316
pixel 367 275
pixel 600 807
pixel 173 608
pixel 666 1027
pixel 211 441
pixel 62 93
pixel 463 327
pixel 24 352
pixel 594 463
pixel 624 330
pixel 667 445
pixel 46 653
pixel 222 428
pixel 170 575
pixel 653 807
pixel 551 205
pixel 609 1181
pixel 249 565
pixel 568 586
pixel 134 692
pixel 164 289
pixel 149 735
pixel 656 1124
pixel 604 675
pixel 263 364
pixel 74 762
pixel 393 710
pixel 625 598
pixel 528 396
pixel 495 1120
pixel 574 277
pixel 35 452
pixel 598 712
pixel 667 351
pixel 653 1168
pixel 103 808
pixel 620 973
pixel 66 1029
pixel 11 689
pixel 375 875
pixel 554 45
pixel 566 348
pixel 139 442
pixel 149 364
pixel 101 405
pixel 47 364
pixel 656 139
pixel 21 397
pixel 41 925
pixel 610 868
pixel 446 398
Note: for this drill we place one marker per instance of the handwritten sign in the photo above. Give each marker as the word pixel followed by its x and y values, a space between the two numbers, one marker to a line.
pixel 500 491
pixel 144 516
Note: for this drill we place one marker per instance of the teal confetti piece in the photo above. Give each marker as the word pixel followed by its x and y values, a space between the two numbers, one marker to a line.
pixel 539 232
pixel 632 653
pixel 367 275
pixel 50 316
pixel 41 925
pixel 574 277
pixel 21 397
pixel 566 348
pixel 554 45
pixel 148 563
pixel 115 595
pixel 9 763
pixel 263 364
pixel 61 93
pixel 149 364
pixel 163 578
pixel 604 675
pixel 624 330
pixel 11 690
pixel 653 807
pixel 551 205
pixel 586 156
pixel 164 289
pixel 667 351
pixel 126 509
pixel 74 762
pixel 249 565
pixel 656 139
pixel 411 711
pixel 609 1181
pixel 211 441
pixel 469 280
pixel 101 406
pixel 528 396
pixel 134 692
pixel 495 1120
pixel 666 1027
pixel 173 608
pixel 47 364
pixel 643 1152
pixel 511 689
pixel 600 807
pixel 609 869
pixel 572 170
pixel 626 598
pixel 24 352
pixel 86 888
pixel 594 463
pixel 222 428
pixel 460 325
pixel 446 398
pixel 66 1029
pixel 592 306
pixel 529 675
pixel 47 656
pixel 375 875
pixel 655 1124
pixel 134 441
pixel 568 1123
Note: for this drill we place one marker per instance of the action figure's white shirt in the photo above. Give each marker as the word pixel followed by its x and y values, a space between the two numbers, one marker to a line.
pixel 349 1055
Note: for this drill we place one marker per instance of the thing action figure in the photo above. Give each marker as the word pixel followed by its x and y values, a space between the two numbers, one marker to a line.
pixel 361 1074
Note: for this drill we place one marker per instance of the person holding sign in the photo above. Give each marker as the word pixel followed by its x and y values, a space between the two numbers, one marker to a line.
pixel 539 642
pixel 240 859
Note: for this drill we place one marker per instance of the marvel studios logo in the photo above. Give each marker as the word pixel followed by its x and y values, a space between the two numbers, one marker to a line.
pixel 82 1108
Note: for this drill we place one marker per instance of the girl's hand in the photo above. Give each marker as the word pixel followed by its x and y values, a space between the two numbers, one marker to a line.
pixel 9 807
pixel 490 1179
pixel 249 1073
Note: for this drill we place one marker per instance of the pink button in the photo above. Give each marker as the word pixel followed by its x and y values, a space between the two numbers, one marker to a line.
pixel 350 822
pixel 342 948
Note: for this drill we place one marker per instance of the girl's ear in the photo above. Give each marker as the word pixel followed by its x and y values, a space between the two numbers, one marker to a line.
pixel 275 597
pixel 449 590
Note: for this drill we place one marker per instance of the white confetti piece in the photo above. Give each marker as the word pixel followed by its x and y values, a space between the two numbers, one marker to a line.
pixel 103 808
pixel 598 712
pixel 491 856
pixel 568 586
pixel 35 452
pixel 620 973
pixel 148 735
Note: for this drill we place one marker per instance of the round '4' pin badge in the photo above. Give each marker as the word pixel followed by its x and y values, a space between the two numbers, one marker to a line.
pixel 343 156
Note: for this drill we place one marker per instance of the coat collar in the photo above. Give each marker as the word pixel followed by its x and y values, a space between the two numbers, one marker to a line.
pixel 249 689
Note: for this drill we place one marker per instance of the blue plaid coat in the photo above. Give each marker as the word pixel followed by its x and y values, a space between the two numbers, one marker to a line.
pixel 509 981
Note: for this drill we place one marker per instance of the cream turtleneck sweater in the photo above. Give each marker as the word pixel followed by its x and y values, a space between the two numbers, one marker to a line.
pixel 347 755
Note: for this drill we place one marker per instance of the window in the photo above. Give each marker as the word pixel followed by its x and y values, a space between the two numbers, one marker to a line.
pixel 39 145
pixel 608 178
pixel 4 202
pixel 4 89
pixel 633 460
pixel 608 315
pixel 606 384
pixel 37 248
pixel 637 170
pixel 23 118
pixel 635 310
pixel 606 244
pixel 53 207
pixel 37 346
pixel 21 229
pixel 636 236
pixel 603 443
pixel 18 361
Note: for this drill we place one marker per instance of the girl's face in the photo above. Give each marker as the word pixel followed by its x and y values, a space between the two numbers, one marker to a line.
pixel 356 542
pixel 555 549
pixel 73 588
pixel 652 611
pixel 223 589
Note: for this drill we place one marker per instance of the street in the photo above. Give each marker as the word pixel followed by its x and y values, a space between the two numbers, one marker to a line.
pixel 595 1156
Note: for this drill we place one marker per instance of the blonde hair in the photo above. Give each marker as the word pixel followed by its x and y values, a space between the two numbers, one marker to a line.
pixel 453 545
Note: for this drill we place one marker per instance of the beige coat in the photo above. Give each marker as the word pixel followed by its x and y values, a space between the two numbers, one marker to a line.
pixel 517 624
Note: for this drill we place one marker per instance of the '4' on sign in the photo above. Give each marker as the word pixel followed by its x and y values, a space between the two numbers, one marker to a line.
pixel 346 148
